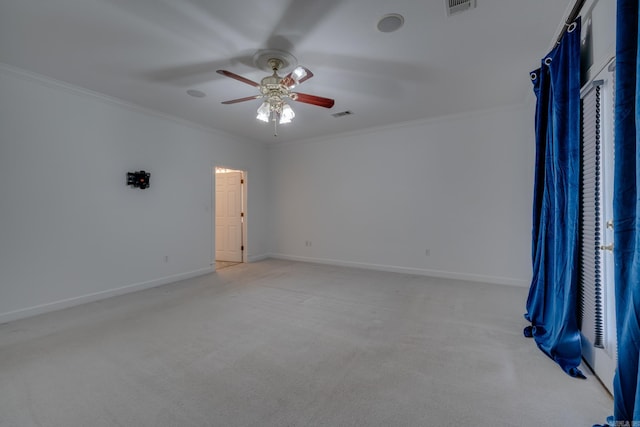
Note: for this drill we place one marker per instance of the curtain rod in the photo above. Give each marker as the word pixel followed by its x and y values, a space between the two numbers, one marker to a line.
pixel 577 7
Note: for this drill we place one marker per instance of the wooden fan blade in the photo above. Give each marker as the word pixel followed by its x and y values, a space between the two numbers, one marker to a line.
pixel 313 100
pixel 237 77
pixel 248 98
pixel 289 81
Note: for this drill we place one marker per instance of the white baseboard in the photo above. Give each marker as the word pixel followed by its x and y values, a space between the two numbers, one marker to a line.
pixel 408 270
pixel 256 258
pixel 62 304
pixel 71 302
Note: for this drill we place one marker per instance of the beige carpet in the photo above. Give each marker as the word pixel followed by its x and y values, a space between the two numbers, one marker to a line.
pixel 279 343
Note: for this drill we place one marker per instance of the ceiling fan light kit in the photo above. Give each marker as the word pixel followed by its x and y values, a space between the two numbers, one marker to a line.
pixel 275 90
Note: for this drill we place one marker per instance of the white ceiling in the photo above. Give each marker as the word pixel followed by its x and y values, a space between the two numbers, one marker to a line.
pixel 150 52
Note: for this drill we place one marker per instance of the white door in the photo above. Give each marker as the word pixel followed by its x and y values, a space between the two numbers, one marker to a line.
pixel 604 359
pixel 600 353
pixel 229 216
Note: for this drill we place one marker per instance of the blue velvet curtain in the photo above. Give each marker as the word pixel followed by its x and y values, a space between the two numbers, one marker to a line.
pixel 626 214
pixel 551 305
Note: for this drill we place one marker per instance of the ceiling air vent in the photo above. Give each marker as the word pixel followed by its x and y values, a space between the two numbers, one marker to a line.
pixel 342 114
pixel 457 6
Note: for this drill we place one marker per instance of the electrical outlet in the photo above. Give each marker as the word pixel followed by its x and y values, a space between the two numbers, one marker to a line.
pixel 427 252
pixel 166 258
pixel 307 243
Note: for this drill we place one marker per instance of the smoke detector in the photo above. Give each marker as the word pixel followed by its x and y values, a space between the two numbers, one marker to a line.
pixel 457 6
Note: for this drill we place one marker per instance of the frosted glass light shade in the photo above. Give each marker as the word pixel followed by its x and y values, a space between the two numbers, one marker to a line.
pixel 298 74
pixel 287 114
pixel 264 112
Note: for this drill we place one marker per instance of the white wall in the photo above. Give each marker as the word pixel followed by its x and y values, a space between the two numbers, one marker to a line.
pixel 71 230
pixel 458 186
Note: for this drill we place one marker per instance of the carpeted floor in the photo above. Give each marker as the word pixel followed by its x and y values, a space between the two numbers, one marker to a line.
pixel 279 343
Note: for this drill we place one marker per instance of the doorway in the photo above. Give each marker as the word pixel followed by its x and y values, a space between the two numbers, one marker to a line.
pixel 229 220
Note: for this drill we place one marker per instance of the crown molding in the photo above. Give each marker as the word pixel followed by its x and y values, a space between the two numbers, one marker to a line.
pixel 77 90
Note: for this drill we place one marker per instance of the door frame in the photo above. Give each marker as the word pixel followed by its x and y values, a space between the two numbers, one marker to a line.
pixel 244 190
pixel 602 361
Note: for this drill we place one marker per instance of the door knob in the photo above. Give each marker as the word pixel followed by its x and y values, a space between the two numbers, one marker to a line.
pixel 607 247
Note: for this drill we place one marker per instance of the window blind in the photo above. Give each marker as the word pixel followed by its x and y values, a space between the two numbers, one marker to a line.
pixel 590 310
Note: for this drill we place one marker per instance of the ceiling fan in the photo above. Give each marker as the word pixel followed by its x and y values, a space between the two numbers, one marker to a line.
pixel 276 90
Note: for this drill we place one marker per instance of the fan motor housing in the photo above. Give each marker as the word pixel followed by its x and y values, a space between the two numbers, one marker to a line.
pixel 272 82
pixel 271 86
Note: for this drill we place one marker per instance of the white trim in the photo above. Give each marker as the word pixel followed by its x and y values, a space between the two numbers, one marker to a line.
pixel 71 302
pixel 256 258
pixel 77 90
pixel 244 186
pixel 597 67
pixel 50 82
pixel 408 270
